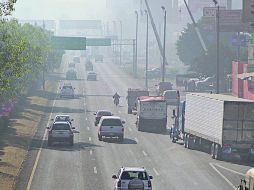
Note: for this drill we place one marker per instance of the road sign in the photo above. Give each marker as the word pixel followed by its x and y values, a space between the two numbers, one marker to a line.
pixel 239 40
pixel 68 43
pixel 98 42
pixel 248 11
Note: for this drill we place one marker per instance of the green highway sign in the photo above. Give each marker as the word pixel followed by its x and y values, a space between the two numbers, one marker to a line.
pixel 98 42
pixel 68 43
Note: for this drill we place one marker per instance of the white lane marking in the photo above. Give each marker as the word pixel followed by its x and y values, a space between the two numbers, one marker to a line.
pixel 223 177
pixel 136 139
pixel 156 172
pixel 86 119
pixel 145 154
pixel 91 152
pixel 95 170
pixel 129 129
pixel 40 150
pixel 90 139
pixel 233 171
pixel 88 128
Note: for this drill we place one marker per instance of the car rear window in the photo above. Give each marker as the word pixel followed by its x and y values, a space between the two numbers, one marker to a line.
pixel 61 127
pixel 62 118
pixel 111 122
pixel 104 114
pixel 67 87
pixel 129 175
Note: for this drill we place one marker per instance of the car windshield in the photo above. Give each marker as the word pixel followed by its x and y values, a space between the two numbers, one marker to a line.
pixel 129 175
pixel 62 118
pixel 61 126
pixel 111 122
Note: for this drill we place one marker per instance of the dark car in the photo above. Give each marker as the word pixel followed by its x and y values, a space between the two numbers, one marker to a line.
pixel 91 76
pixel 71 75
pixel 153 73
pixel 163 86
pixel 99 114
pixel 206 85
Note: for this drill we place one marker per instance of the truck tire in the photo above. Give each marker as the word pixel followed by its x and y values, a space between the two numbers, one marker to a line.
pixel 185 141
pixel 121 138
pixel 212 148
pixel 99 137
pixel 217 152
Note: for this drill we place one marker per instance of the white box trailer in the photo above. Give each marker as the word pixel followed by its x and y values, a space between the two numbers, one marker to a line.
pixel 152 114
pixel 223 122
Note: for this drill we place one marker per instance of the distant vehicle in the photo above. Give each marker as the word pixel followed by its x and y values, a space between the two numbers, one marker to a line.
pixel 151 114
pixel 222 123
pixel 98 58
pixel 163 86
pixel 71 65
pixel 99 114
pixel 153 73
pixel 89 66
pixel 132 96
pixel 181 79
pixel 111 126
pixel 67 90
pixel 71 75
pixel 206 85
pixel 62 118
pixel 171 97
pixel 76 59
pixel 60 131
pixel 191 85
pixel 91 76
pixel 126 175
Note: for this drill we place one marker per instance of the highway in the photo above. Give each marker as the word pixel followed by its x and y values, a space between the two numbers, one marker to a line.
pixel 90 164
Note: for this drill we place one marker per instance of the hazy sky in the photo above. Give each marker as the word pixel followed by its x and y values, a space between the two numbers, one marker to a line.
pixel 55 9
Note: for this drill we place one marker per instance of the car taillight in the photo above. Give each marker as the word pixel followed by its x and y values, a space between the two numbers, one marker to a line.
pixel 119 183
pixel 149 184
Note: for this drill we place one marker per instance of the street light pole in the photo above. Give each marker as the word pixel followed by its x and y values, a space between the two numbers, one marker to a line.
pixel 218 47
pixel 136 55
pixel 164 44
pixel 146 48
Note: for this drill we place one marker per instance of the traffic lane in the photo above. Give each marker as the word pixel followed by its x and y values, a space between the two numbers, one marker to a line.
pixel 207 167
pixel 60 165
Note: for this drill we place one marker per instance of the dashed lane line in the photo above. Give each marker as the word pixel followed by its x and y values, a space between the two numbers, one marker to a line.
pixel 136 139
pixel 156 172
pixel 95 170
pixel 91 152
pixel 145 154
pixel 88 128
pixel 90 139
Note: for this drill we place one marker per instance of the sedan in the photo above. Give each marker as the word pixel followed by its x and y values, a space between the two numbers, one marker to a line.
pixel 99 114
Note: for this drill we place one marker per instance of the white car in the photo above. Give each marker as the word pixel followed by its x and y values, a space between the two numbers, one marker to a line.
pixel 111 126
pixel 128 174
pixel 67 90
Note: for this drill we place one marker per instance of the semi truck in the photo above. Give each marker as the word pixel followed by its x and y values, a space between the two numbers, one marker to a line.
pixel 151 114
pixel 222 123
pixel 132 96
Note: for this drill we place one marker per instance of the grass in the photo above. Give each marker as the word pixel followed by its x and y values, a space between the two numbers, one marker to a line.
pixel 15 139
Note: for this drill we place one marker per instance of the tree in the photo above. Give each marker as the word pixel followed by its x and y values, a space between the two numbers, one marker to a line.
pixel 190 51
pixel 6 7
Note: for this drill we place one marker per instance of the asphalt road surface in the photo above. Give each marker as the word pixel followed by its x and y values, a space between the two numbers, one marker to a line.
pixel 89 164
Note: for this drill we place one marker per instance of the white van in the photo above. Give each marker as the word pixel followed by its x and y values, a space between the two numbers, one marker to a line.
pixel 111 126
pixel 171 97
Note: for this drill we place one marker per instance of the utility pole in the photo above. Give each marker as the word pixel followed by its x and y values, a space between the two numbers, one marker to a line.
pixel 136 58
pixel 218 47
pixel 121 39
pixel 164 44
pixel 147 19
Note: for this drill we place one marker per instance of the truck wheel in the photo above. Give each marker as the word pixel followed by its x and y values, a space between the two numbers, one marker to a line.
pixel 212 150
pixel 121 138
pixel 217 152
pixel 99 137
pixel 185 141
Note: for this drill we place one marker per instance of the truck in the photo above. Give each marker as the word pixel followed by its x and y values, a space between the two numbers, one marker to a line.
pixel 221 124
pixel 151 114
pixel 132 96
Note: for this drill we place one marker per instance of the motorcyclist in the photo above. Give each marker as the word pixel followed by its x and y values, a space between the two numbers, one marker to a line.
pixel 116 98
